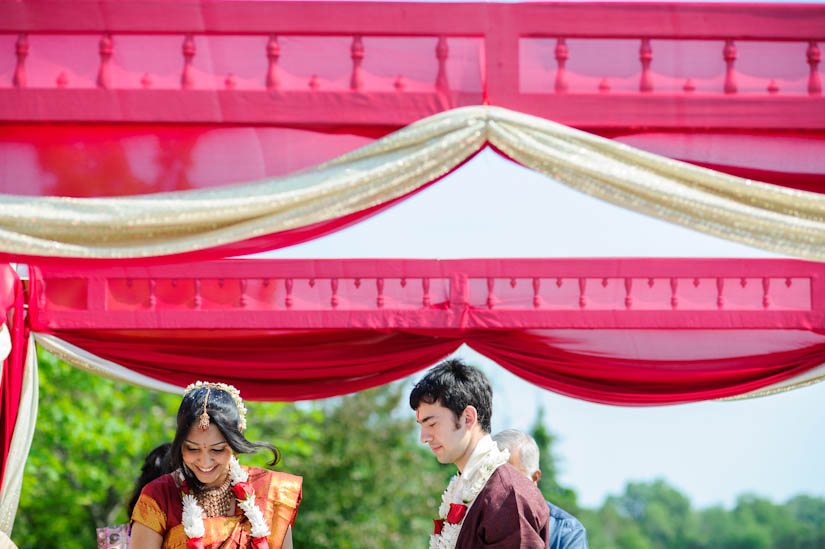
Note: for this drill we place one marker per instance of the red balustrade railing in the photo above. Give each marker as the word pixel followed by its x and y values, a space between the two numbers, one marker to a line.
pixel 604 65
pixel 450 294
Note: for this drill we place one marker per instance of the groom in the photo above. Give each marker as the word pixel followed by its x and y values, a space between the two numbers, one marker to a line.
pixel 489 503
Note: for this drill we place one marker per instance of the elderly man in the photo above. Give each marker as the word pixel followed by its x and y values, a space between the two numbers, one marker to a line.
pixel 565 531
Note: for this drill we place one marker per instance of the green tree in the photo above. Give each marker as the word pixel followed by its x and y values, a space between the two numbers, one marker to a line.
pixel 548 463
pixel 369 484
pixel 91 437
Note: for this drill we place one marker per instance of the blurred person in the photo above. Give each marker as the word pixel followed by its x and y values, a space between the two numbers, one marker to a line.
pixel 565 531
pixel 489 503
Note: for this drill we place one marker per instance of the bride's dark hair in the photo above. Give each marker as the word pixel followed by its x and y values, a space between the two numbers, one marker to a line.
pixel 223 412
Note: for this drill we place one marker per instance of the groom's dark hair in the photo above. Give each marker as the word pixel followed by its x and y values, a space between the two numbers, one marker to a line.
pixel 456 385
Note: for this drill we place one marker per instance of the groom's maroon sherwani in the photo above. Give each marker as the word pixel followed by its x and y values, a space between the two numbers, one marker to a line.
pixel 509 513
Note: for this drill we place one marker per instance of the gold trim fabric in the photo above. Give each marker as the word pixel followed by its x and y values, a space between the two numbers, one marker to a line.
pixel 766 216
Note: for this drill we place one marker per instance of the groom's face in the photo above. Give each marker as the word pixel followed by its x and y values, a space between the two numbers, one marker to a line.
pixel 442 432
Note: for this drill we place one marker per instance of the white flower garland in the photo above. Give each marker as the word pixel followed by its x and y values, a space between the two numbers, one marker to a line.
pixel 193 513
pixel 465 487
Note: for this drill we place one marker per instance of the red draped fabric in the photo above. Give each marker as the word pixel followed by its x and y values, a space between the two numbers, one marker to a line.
pixel 324 363
pixel 11 305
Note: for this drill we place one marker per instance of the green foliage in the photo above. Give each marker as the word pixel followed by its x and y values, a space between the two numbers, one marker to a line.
pixel 369 484
pixel 548 463
pixel 91 437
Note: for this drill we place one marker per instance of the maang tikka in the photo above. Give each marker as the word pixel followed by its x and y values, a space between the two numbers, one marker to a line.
pixel 204 423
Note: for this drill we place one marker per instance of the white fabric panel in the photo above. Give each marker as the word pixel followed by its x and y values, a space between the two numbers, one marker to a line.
pixel 21 442
pixel 5 343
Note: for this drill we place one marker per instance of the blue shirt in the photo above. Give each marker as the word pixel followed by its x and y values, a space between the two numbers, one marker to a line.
pixel 565 531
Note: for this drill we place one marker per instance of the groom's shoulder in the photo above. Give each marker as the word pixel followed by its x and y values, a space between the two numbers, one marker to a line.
pixel 508 484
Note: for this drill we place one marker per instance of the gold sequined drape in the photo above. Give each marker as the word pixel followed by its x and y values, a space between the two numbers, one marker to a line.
pixel 762 215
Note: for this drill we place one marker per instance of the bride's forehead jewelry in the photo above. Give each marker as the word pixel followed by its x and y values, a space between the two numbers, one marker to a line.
pixel 229 389
pixel 204 416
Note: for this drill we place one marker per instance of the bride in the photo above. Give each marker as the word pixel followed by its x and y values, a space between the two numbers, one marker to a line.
pixel 209 500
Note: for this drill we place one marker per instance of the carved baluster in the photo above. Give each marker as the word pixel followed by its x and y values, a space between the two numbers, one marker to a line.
pixel 273 52
pixel 146 81
pixel 357 282
pixel 153 298
pixel 646 56
pixel 628 299
pixel 62 80
pixel 403 282
pixel 187 79
pixel 441 53
pixel 582 290
pixel 198 299
pixel 288 300
pixel 21 48
pixel 674 298
pixel 333 285
pixel 491 298
pixel 427 299
pixel 813 55
pixel 773 87
pixel 243 299
pixel 788 282
pixel 231 82
pixel 400 83
pixel 356 81
pixel 689 86
pixel 104 74
pixel 720 288
pixel 537 301
pixel 379 285
pixel 311 282
pixel 314 82
pixel 766 293
pixel 743 282
pixel 561 53
pixel 729 54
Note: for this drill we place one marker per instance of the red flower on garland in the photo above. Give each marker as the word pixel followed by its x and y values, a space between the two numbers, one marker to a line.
pixel 243 490
pixel 260 543
pixel 194 543
pixel 456 513
pixel 439 526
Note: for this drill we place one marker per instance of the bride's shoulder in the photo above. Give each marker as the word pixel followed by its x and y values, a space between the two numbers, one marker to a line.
pixel 279 477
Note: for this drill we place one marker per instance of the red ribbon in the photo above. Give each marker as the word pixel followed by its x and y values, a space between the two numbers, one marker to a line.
pixel 456 513
pixel 260 543
pixel 439 526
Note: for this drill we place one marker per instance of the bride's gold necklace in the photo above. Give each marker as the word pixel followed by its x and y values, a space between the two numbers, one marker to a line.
pixel 218 501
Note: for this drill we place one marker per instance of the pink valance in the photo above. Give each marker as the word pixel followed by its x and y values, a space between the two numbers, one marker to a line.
pixel 625 332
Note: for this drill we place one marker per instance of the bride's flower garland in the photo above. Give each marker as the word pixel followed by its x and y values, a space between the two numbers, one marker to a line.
pixel 193 513
pixel 463 490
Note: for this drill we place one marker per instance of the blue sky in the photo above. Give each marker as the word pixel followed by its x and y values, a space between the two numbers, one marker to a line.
pixel 710 451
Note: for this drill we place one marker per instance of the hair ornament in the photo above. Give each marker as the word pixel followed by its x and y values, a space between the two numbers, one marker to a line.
pixel 229 389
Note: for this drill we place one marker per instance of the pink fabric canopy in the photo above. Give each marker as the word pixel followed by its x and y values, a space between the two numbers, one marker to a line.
pixel 627 332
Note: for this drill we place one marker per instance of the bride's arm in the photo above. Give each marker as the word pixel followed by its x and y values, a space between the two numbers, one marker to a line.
pixel 144 537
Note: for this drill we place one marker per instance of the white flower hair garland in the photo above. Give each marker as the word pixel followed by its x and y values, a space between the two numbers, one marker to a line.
pixel 233 392
pixel 194 515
